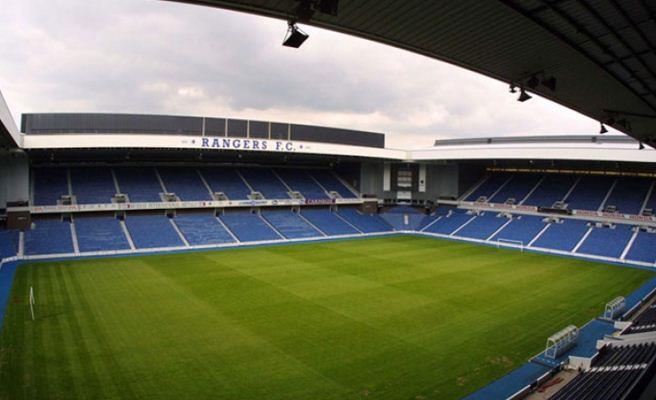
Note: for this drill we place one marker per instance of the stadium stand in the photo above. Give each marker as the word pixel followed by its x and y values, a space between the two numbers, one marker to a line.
pixel 328 222
pixel 613 375
pixel 449 223
pixel 628 195
pixel 185 183
pixel 248 227
pixel 331 183
pixel 589 193
pixel 523 229
pixel 607 242
pixel 516 189
pixel 489 187
pixel 651 202
pixel 100 233
pixel 483 226
pixel 152 231
pixel 367 223
pixel 645 322
pixel 226 181
pixel 8 243
pixel 50 184
pixel 202 228
pixel 290 224
pixel 300 181
pixel 552 189
pixel 562 236
pixel 92 185
pixel 49 236
pixel 139 183
pixel 398 216
pixel 264 181
pixel 643 248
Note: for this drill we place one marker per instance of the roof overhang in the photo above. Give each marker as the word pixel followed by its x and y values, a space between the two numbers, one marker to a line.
pixel 203 144
pixel 572 148
pixel 601 53
pixel 9 135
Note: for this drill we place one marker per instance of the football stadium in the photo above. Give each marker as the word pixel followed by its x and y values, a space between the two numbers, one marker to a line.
pixel 150 256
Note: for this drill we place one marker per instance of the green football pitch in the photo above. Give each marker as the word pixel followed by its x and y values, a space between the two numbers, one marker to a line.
pixel 387 318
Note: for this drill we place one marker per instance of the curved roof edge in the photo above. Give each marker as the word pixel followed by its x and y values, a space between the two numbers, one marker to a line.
pixel 611 148
pixel 9 134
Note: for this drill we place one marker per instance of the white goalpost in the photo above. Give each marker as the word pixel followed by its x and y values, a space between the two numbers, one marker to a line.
pixel 509 242
pixel 32 301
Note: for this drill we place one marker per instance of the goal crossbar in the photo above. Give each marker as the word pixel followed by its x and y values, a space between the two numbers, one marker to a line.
pixel 514 243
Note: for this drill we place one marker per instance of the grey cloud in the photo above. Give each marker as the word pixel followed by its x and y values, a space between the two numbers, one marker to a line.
pixel 162 57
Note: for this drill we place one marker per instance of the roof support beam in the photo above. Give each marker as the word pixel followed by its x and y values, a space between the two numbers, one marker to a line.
pixel 603 48
pixel 624 43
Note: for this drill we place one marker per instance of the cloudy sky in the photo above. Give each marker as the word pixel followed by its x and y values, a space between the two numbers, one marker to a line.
pixel 149 56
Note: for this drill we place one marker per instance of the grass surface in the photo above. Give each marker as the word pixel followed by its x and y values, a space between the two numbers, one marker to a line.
pixel 390 318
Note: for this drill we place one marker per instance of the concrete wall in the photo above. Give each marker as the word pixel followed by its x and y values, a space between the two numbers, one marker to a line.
pixel 371 179
pixel 14 177
pixel 443 180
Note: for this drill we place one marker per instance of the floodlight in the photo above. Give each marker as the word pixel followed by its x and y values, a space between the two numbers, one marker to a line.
pixel 295 37
pixel 523 96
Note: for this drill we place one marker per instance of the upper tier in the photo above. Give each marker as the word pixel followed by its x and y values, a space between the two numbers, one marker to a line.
pixel 99 185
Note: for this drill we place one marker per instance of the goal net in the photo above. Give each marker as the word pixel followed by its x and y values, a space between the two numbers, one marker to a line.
pixel 509 242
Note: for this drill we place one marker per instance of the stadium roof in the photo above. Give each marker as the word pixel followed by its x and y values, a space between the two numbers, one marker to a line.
pixel 602 53
pixel 9 135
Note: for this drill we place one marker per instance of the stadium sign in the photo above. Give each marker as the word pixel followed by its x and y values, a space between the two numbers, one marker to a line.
pixel 183 204
pixel 285 146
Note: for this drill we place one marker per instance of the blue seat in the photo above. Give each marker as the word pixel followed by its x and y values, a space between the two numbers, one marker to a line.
pixel 608 242
pixel 202 229
pixel 523 228
pixel 152 231
pixel 100 234
pixel 651 202
pixel 226 180
pixel 449 223
pixel 92 185
pixel 589 193
pixel 562 236
pixel 248 227
pixel 328 181
pixel 328 222
pixel 628 195
pixel 264 181
pixel 483 226
pixel 517 188
pixel 185 183
pixel 8 243
pixel 290 224
pixel 367 223
pixel 139 183
pixel 488 187
pixel 643 248
pixel 399 215
pixel 50 184
pixel 300 181
pixel 49 236
pixel 552 189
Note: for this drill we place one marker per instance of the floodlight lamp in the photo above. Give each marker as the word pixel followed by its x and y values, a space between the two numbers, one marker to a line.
pixel 295 37
pixel 523 96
